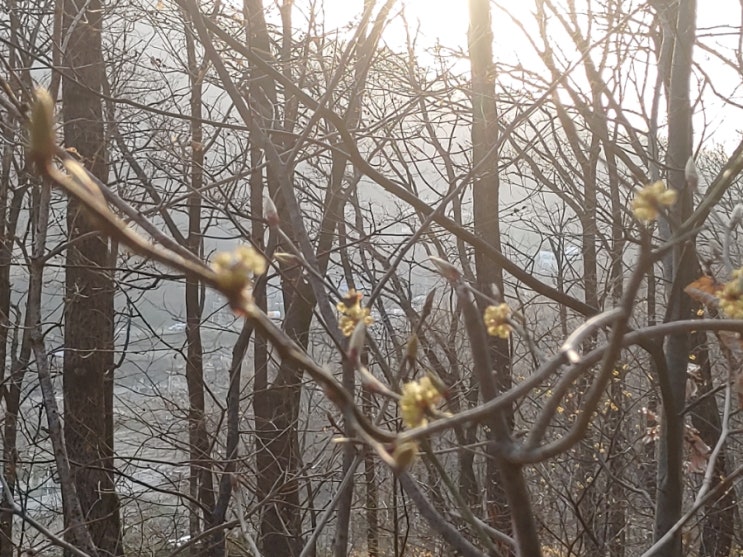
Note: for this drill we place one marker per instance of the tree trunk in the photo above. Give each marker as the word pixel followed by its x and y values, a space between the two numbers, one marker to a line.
pixel 616 504
pixel 12 393
pixel 486 215
pixel 372 491
pixel 201 483
pixel 680 139
pixel 9 210
pixel 89 307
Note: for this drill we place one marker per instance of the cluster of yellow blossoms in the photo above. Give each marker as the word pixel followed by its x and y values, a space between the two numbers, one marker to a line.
pixel 731 296
pixel 417 400
pixel 649 201
pixel 352 313
pixel 234 269
pixel 496 320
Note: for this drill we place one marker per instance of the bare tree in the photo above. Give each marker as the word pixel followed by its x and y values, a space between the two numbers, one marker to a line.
pixel 448 273
pixel 89 327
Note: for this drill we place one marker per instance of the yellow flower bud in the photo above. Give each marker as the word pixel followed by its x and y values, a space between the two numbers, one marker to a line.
pixel 234 270
pixel 404 455
pixel 496 320
pixel 42 128
pixel 418 398
pixel 352 313
pixel 649 201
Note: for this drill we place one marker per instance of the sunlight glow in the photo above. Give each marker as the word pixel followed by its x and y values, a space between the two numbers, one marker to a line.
pixel 442 25
pixel 432 22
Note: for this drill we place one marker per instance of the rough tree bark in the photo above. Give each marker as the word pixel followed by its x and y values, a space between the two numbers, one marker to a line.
pixel 680 139
pixel 13 188
pixel 201 482
pixel 276 402
pixel 718 522
pixel 486 215
pixel 89 301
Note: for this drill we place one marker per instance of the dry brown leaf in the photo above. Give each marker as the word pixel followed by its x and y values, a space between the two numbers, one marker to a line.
pixel 699 451
pixel 704 290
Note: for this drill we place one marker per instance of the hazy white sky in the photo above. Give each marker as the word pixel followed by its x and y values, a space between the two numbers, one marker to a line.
pixel 446 22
